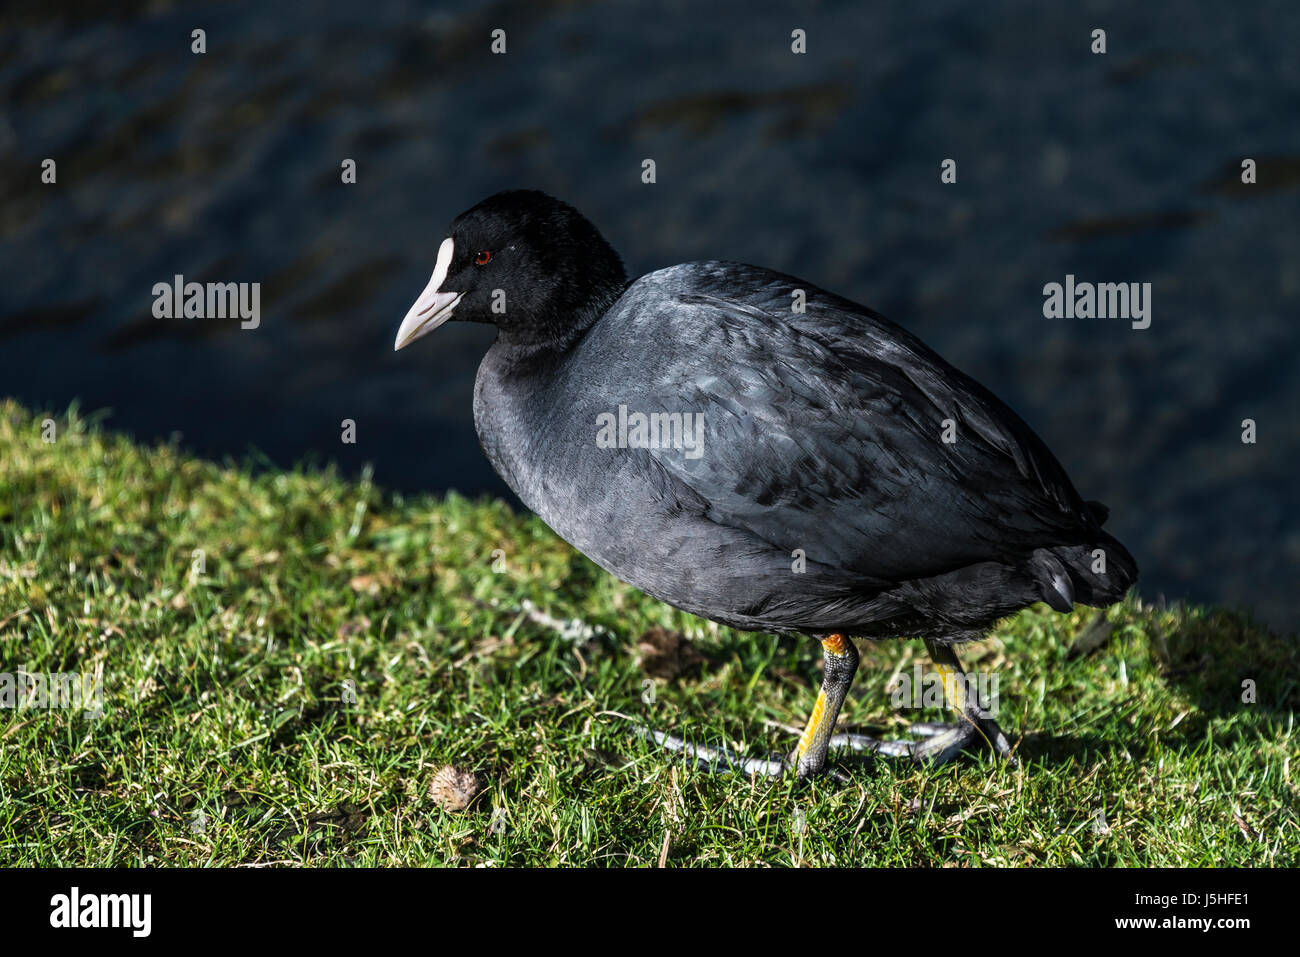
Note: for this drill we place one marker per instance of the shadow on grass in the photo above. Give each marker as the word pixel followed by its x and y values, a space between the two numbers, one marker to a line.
pixel 1224 660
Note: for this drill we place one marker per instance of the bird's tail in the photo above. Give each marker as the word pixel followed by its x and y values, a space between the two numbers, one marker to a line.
pixel 1098 574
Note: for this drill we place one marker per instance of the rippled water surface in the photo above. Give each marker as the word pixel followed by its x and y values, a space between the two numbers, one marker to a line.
pixel 1116 168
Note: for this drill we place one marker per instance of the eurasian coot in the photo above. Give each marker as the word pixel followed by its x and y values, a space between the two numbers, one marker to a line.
pixel 757 451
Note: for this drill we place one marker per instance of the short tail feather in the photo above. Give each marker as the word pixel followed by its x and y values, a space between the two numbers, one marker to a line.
pixel 1098 574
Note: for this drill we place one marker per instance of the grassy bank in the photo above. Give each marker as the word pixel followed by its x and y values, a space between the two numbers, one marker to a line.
pixel 289 658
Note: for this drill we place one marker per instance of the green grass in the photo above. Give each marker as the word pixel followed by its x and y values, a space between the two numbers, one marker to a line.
pixel 226 738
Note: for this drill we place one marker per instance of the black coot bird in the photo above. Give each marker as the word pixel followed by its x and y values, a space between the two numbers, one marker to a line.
pixel 815 471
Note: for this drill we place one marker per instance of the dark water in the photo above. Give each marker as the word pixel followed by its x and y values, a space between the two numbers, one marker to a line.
pixel 1116 168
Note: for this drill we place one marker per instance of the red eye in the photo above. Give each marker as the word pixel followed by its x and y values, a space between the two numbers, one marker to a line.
pixel 484 257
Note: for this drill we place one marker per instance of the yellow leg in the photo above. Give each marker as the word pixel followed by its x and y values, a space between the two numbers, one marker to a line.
pixel 816 725
pixel 974 720
pixel 954 686
pixel 841 663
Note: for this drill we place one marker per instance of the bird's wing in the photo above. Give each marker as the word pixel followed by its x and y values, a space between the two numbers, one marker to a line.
pixel 836 432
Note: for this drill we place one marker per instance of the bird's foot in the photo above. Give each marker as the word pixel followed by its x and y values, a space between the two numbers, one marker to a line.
pixel 716 759
pixel 941 742
pixel 726 761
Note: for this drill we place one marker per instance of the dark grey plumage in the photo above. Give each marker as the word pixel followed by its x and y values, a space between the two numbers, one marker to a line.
pixel 849 481
pixel 823 432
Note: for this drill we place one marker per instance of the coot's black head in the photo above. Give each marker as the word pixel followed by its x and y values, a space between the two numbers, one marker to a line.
pixel 533 266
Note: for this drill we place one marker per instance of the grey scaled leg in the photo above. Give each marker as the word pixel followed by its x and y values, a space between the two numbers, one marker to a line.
pixel 809 758
pixel 974 723
pixel 841 664
pixel 942 742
